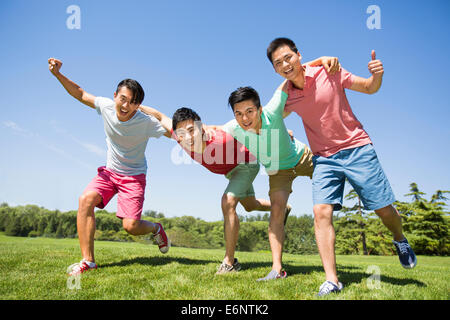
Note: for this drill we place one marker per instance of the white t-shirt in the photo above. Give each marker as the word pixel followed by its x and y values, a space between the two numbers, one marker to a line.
pixel 127 140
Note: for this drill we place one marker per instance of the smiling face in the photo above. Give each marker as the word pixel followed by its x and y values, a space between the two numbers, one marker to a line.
pixel 125 109
pixel 287 63
pixel 247 115
pixel 189 134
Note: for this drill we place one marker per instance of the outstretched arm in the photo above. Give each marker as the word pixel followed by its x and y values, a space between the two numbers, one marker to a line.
pixel 54 65
pixel 372 84
pixel 165 121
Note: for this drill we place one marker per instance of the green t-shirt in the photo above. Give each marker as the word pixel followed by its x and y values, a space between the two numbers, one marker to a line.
pixel 273 146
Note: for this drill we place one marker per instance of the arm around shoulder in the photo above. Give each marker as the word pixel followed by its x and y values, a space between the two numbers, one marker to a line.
pixel 283 86
pixel 165 121
pixel 278 100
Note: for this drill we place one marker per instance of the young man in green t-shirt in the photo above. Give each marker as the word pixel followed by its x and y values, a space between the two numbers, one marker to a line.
pixel 263 132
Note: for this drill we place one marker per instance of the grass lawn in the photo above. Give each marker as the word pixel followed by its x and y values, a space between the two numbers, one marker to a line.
pixel 35 268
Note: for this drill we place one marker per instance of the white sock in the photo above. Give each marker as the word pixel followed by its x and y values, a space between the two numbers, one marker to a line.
pixel 90 264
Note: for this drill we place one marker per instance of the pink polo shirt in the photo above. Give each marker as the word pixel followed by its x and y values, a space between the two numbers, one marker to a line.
pixel 329 122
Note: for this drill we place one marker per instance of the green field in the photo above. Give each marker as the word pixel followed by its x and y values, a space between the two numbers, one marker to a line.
pixel 34 268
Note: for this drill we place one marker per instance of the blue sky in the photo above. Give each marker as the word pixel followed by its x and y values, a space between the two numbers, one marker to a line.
pixel 194 53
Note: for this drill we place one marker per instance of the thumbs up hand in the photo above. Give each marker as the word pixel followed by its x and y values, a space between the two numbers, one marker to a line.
pixel 375 66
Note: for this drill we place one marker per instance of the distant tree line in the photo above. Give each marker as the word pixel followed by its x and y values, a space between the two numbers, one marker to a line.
pixel 426 224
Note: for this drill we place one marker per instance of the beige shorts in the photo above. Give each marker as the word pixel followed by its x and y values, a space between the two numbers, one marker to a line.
pixel 283 179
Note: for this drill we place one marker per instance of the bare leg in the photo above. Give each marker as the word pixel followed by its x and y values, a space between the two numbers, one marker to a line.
pixel 278 200
pixel 326 238
pixel 392 220
pixel 86 223
pixel 139 227
pixel 231 226
pixel 253 204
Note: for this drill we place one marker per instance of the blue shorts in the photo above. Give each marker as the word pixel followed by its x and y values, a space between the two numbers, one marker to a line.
pixel 363 171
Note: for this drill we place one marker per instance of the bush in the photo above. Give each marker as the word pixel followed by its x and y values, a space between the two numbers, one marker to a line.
pixel 33 234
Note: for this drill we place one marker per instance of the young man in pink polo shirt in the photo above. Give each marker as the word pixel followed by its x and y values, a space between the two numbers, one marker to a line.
pixel 342 149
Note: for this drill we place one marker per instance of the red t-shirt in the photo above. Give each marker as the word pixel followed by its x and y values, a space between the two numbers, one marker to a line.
pixel 222 153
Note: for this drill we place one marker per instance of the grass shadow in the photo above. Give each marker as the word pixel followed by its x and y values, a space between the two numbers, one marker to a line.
pixel 345 273
pixel 156 261
pixel 290 269
pixel 357 277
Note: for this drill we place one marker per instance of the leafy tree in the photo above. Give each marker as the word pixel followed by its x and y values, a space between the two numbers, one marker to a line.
pixel 438 196
pixel 351 227
pixel 426 222
pixel 253 236
pixel 415 192
pixel 300 238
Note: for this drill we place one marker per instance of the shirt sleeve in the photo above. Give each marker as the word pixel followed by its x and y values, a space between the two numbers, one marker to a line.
pixel 102 102
pixel 230 126
pixel 155 128
pixel 277 103
pixel 346 78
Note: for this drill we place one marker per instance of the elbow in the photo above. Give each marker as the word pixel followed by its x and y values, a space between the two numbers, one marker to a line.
pixel 370 90
pixel 81 95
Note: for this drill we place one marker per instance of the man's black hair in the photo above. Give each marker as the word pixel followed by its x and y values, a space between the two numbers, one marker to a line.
pixel 135 87
pixel 277 43
pixel 242 94
pixel 183 114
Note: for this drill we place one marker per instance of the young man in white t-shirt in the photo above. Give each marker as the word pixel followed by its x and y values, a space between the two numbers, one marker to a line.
pixel 127 133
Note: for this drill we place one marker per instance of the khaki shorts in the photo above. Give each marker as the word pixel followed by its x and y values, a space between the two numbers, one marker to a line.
pixel 283 179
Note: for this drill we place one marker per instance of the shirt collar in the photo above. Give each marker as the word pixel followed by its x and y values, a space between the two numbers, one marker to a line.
pixel 309 71
pixel 309 74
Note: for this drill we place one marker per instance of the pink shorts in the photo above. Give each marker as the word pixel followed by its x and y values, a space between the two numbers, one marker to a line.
pixel 131 191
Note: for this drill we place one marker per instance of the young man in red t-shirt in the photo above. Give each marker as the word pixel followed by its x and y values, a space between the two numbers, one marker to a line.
pixel 220 153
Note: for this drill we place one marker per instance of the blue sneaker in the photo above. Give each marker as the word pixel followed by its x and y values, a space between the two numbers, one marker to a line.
pixel 405 254
pixel 328 287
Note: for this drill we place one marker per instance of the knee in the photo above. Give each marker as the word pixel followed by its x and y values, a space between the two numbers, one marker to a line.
pixel 89 199
pixel 323 213
pixel 229 203
pixel 130 226
pixel 387 212
pixel 277 213
pixel 278 209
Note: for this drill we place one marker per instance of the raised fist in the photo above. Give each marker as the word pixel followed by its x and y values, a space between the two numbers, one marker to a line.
pixel 54 65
